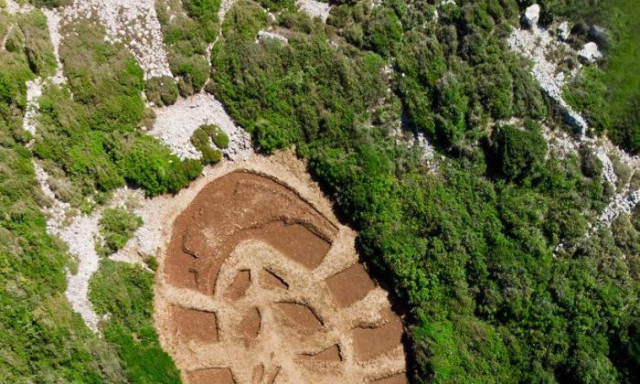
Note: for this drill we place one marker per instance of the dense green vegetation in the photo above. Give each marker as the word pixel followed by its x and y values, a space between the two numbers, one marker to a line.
pixel 88 131
pixel 125 293
pixel 609 95
pixel 202 139
pixel 189 26
pixel 117 225
pixel 42 340
pixel 471 248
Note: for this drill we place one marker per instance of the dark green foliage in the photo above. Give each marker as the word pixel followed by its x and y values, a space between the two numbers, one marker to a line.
pixel 217 135
pixel 117 225
pixel 201 139
pixel 161 90
pixel 472 255
pixel 154 168
pixel 188 27
pixel 609 96
pixel 41 339
pixel 519 152
pixel 93 137
pixel 125 293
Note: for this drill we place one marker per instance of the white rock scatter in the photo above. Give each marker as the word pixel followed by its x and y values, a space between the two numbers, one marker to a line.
pixel 535 44
pixel 590 53
pixel 264 35
pixel 315 8
pixel 531 16
pixel 175 124
pixel 563 31
pixel 608 172
pixel 53 24
pixel 622 204
pixel 13 7
pixel 79 237
pixel 34 91
pixel 133 22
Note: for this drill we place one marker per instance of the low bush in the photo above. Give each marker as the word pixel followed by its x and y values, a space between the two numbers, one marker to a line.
pixel 161 91
pixel 117 225
pixel 201 139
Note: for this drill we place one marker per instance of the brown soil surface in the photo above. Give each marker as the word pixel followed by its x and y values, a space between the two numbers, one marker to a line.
pixel 371 342
pixel 350 285
pixel 240 284
pixel 211 376
pixel 300 316
pixel 194 325
pixel 255 252
pixel 331 354
pixel 270 280
pixel 396 379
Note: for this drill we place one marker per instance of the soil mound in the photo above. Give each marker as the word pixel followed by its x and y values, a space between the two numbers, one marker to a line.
pixel 258 285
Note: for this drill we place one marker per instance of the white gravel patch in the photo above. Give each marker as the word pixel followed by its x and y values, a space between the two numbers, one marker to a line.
pixel 535 43
pixel 175 124
pixel 13 7
pixel 34 91
pixel 264 35
pixel 53 24
pixel 133 22
pixel 315 8
pixel 621 204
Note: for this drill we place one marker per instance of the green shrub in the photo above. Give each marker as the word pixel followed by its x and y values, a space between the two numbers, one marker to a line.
pixel 162 90
pixel 117 225
pixel 125 293
pixel 201 139
pixel 520 152
pixel 217 135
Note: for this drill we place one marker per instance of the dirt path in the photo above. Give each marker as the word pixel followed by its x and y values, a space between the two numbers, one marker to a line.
pixel 259 283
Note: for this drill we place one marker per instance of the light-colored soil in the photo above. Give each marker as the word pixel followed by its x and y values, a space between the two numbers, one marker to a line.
pixel 256 244
pixel 175 124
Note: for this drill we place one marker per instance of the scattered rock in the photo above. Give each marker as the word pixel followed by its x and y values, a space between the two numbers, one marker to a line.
pixel 315 8
pixel 531 16
pixel 175 124
pixel 262 35
pixel 563 31
pixel 599 35
pixel 590 53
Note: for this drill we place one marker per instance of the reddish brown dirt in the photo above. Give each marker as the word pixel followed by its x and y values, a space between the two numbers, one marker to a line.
pixel 240 284
pixel 300 316
pixel 193 325
pixel 277 280
pixel 211 376
pixel 250 326
pixel 331 354
pixel 350 285
pixel 270 280
pixel 371 342
pixel 396 379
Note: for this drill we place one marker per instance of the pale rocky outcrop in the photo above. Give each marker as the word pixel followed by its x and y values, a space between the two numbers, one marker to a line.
pixel 315 8
pixel 531 16
pixel 590 53
pixel 175 124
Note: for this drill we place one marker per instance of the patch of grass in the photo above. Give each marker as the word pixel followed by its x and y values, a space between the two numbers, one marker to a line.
pixel 201 139
pixel 162 90
pixel 125 293
pixel 117 225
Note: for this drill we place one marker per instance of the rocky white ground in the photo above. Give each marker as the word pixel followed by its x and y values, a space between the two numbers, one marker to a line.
pixel 175 124
pixel 133 22
pixel 537 44
pixel 315 8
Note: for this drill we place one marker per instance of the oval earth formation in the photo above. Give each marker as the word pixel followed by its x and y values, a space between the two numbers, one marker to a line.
pixel 258 286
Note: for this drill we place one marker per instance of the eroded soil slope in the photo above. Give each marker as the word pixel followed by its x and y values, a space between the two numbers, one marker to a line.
pixel 258 285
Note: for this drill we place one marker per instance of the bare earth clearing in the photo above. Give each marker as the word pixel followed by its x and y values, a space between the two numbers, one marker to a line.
pixel 259 283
